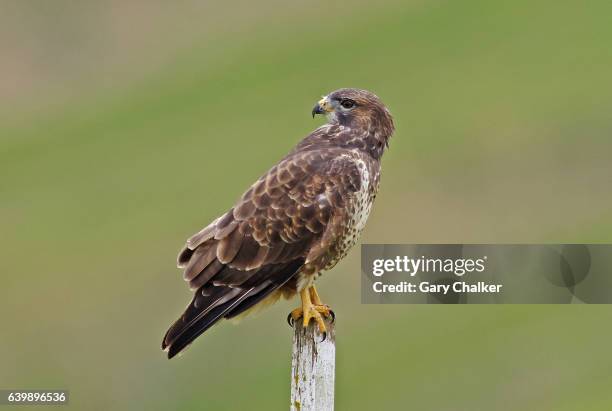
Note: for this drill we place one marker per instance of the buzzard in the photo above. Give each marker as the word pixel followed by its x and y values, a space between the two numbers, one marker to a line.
pixel 298 220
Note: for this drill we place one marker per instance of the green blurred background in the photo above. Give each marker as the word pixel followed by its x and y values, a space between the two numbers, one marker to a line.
pixel 125 127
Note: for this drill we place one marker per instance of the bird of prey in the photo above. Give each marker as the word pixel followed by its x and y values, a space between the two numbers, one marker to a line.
pixel 298 220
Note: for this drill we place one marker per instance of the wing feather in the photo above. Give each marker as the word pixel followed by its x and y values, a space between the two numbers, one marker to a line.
pixel 201 258
pixel 229 246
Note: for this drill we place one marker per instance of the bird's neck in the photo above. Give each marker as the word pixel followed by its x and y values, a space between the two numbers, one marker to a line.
pixel 370 134
pixel 368 138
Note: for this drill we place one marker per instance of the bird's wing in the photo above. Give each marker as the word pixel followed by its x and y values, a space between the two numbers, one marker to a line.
pixel 286 218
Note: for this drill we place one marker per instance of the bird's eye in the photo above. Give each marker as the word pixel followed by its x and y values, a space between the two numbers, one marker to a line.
pixel 347 103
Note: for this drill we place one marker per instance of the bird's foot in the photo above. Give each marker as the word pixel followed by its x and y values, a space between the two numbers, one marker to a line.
pixel 318 313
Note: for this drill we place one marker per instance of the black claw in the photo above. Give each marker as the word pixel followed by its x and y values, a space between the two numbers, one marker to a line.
pixel 324 336
pixel 333 316
pixel 290 320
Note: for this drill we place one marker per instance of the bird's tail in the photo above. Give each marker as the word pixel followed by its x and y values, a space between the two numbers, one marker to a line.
pixel 212 302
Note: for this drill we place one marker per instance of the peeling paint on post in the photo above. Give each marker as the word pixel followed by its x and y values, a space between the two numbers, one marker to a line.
pixel 313 364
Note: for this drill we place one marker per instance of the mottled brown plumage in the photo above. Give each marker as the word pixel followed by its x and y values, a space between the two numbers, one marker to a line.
pixel 297 220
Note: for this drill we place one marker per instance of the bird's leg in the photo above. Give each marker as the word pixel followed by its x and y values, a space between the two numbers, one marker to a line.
pixel 314 296
pixel 309 311
pixel 320 307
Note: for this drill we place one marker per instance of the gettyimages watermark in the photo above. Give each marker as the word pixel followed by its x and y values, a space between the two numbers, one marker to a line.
pixel 486 274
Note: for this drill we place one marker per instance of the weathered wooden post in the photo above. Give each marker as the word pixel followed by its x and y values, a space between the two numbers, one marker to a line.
pixel 313 366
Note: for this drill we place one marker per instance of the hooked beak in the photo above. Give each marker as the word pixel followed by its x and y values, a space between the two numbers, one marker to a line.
pixel 322 107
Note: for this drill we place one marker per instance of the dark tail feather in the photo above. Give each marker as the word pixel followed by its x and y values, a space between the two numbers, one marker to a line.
pixel 193 323
pixel 212 303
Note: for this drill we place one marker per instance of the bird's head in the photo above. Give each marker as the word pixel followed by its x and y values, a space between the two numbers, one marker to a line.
pixel 356 108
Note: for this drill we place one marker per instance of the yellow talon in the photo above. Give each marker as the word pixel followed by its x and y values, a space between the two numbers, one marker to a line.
pixel 312 308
